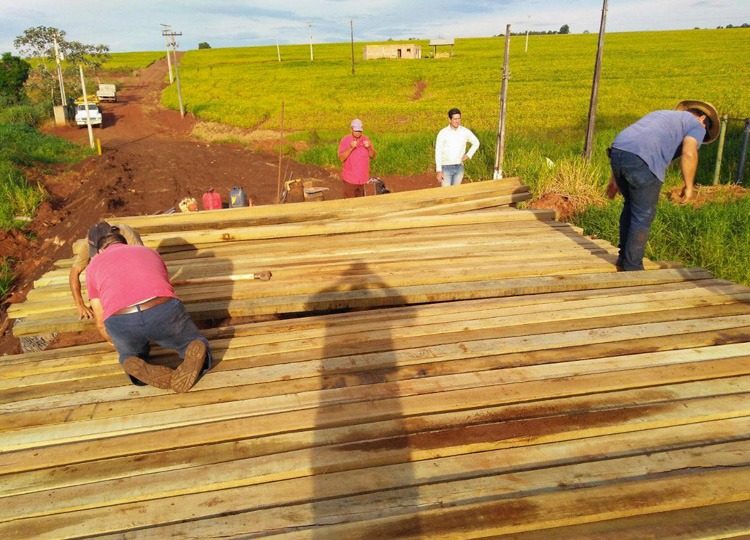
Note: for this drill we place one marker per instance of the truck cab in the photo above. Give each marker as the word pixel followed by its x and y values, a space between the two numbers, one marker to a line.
pixel 94 113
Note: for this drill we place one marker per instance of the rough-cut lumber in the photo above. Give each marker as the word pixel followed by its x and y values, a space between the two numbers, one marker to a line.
pixel 503 379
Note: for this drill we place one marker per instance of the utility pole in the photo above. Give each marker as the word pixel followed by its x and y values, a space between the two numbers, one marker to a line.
pixel 174 44
pixel 86 104
pixel 527 35
pixel 164 32
pixel 311 53
pixel 500 147
pixel 351 25
pixel 588 146
pixel 63 99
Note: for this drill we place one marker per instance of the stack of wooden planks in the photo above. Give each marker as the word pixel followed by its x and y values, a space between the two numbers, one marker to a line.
pixel 534 392
pixel 312 247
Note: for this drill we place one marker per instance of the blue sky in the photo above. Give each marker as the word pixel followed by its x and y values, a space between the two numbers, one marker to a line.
pixel 134 25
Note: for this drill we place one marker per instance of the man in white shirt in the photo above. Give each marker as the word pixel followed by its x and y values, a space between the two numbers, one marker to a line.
pixel 450 150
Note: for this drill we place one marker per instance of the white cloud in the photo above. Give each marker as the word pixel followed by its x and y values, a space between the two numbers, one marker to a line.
pixel 135 25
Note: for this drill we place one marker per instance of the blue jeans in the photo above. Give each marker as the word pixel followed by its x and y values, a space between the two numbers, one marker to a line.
pixel 640 188
pixel 167 325
pixel 452 175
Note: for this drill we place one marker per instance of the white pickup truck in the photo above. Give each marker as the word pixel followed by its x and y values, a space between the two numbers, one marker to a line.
pixel 107 92
pixel 94 113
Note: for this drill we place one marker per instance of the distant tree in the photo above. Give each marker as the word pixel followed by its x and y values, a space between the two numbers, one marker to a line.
pixel 586 32
pixel 40 42
pixel 564 29
pixel 13 74
pixel 204 45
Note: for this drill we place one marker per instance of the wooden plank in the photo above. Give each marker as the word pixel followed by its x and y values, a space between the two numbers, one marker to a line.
pixel 336 500
pixel 34 434
pixel 513 315
pixel 333 208
pixel 730 520
pixel 545 510
pixel 397 296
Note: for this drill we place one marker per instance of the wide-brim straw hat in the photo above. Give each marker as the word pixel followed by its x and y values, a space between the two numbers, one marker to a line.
pixel 706 108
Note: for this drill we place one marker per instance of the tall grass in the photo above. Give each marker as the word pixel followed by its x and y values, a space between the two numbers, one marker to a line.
pixel 715 236
pixel 18 199
pixel 23 146
pixel 26 114
pixel 6 276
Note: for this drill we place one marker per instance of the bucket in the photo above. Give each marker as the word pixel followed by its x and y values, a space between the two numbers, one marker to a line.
pixel 211 200
pixel 237 197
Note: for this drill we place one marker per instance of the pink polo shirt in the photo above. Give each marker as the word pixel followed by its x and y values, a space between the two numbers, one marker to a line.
pixel 123 275
pixel 356 168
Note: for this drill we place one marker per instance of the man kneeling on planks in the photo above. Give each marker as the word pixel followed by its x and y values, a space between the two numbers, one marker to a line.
pixel 84 250
pixel 134 304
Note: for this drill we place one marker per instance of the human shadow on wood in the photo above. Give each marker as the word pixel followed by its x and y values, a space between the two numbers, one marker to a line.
pixel 361 460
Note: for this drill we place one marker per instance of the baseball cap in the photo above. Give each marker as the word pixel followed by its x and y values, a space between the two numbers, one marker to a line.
pixel 96 232
pixel 357 124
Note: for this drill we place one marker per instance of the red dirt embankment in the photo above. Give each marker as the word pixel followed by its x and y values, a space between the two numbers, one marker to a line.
pixel 149 162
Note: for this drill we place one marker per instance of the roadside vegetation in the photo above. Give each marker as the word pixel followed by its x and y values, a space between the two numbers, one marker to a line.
pixel 403 104
pixel 23 146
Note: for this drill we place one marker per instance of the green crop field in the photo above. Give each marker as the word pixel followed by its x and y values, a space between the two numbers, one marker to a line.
pixel 118 62
pixel 403 103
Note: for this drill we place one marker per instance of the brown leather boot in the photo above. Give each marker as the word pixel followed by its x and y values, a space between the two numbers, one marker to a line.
pixel 187 373
pixel 151 374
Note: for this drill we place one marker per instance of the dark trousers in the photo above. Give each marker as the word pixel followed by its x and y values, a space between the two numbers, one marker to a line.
pixel 640 189
pixel 353 190
pixel 167 325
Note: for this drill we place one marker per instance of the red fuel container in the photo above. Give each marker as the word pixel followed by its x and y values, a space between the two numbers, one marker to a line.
pixel 211 200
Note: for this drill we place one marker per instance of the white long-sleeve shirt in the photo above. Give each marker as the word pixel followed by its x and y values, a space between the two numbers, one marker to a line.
pixel 451 146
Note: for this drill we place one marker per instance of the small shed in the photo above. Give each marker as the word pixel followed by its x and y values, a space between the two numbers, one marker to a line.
pixel 400 50
pixel 438 42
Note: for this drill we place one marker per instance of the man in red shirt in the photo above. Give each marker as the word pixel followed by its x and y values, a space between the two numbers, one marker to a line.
pixel 134 304
pixel 355 152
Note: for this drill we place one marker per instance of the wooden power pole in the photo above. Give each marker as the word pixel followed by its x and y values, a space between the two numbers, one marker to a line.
pixel 351 26
pixel 169 34
pixel 500 147
pixel 588 146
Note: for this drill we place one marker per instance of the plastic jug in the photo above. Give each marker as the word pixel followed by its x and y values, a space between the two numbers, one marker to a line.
pixel 237 197
pixel 211 200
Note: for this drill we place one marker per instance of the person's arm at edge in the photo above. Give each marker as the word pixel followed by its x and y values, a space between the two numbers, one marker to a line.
pixel 612 188
pixel 74 279
pixel 96 305
pixel 438 157
pixel 474 145
pixel 688 166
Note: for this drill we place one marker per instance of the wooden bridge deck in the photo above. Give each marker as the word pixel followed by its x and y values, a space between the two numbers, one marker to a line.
pixel 510 382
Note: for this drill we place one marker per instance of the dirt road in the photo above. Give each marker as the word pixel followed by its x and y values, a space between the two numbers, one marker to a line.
pixel 149 162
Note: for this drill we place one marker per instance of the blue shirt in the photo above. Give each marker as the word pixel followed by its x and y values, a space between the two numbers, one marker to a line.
pixel 657 138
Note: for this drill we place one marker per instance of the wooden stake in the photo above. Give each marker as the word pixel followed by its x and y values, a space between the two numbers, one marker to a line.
pixel 281 140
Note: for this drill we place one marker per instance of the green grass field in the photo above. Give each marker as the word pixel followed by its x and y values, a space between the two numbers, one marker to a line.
pixel 120 62
pixel 548 93
pixel 403 104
